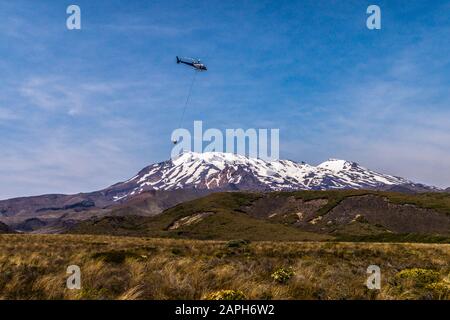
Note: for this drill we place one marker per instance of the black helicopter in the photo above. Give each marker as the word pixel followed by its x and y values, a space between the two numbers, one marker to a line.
pixel 198 66
pixel 193 63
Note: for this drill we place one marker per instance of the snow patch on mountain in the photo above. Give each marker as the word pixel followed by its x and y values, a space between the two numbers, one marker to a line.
pixel 216 170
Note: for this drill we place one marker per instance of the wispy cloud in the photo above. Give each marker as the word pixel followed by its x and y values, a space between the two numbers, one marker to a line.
pixel 397 121
pixel 52 94
pixel 62 166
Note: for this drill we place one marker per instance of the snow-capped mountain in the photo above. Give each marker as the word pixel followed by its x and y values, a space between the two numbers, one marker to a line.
pixel 192 175
pixel 226 171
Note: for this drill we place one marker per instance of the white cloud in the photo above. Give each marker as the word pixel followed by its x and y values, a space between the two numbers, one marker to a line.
pixel 61 163
pixel 54 94
pixel 50 152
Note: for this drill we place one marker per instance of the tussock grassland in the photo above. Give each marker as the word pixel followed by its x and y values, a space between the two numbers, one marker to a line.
pixel 34 267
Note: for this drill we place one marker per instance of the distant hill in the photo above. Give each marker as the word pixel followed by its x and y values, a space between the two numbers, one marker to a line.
pixel 4 228
pixel 302 215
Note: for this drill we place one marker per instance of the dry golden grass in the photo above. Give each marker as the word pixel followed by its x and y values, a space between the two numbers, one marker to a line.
pixel 34 267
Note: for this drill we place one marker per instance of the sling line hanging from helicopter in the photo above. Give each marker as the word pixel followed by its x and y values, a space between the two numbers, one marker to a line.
pixel 198 66
pixel 187 98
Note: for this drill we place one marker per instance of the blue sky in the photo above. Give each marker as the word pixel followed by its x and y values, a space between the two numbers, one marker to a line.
pixel 80 110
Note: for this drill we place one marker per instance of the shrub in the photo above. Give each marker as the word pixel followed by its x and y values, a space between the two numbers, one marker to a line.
pixel 282 275
pixel 177 251
pixel 115 256
pixel 419 283
pixel 419 277
pixel 226 295
pixel 237 243
pixel 93 294
pixel 440 290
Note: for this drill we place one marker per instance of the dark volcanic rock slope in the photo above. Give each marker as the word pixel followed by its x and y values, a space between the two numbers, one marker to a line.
pixel 389 217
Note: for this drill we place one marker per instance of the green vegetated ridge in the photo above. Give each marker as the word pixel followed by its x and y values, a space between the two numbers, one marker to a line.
pixel 228 221
pixel 433 200
pixel 224 215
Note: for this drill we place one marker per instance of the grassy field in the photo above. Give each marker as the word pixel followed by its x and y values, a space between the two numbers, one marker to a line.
pixel 34 267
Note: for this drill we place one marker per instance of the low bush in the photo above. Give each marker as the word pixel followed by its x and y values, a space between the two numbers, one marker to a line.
pixel 226 295
pixel 282 275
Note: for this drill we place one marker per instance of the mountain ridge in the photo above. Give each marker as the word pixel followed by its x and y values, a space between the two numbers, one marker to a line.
pixel 225 171
pixel 191 175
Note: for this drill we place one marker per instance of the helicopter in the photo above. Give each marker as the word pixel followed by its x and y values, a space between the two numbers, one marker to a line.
pixel 193 63
pixel 198 66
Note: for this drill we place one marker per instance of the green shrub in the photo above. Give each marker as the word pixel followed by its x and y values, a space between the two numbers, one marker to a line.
pixel 237 243
pixel 440 290
pixel 93 294
pixel 418 277
pixel 419 283
pixel 177 251
pixel 226 295
pixel 282 275
pixel 116 256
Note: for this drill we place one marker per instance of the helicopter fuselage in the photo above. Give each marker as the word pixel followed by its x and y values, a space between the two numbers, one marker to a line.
pixel 197 65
